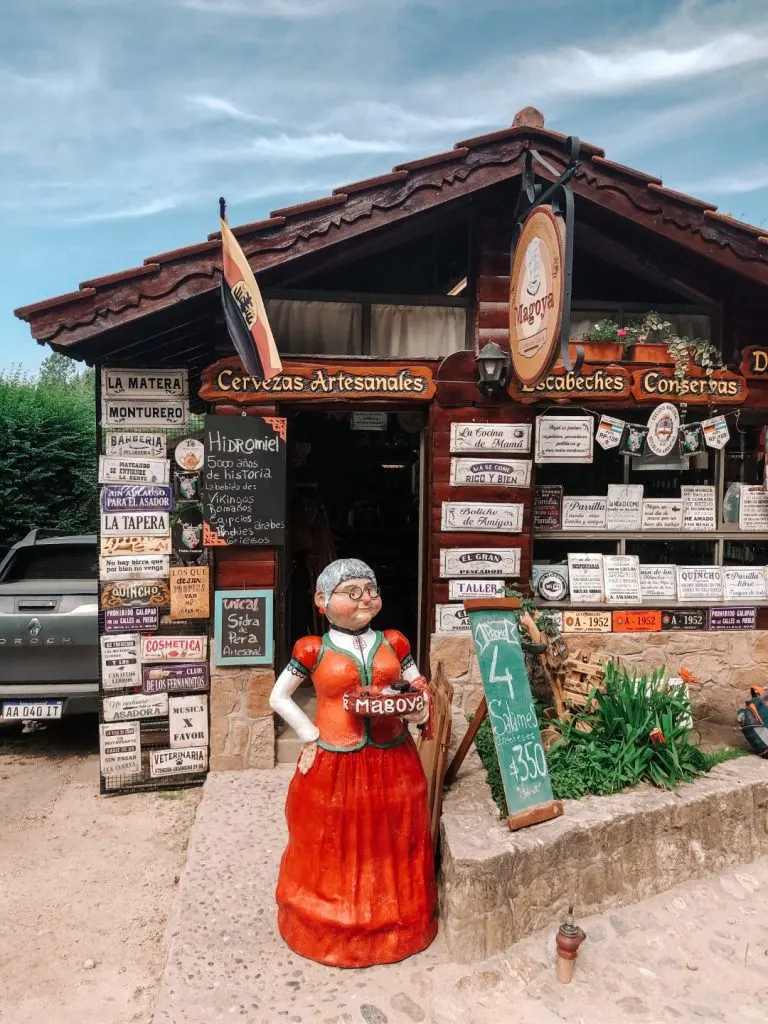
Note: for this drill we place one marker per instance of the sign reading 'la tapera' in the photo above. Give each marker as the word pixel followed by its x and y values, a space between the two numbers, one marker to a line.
pixel 227 380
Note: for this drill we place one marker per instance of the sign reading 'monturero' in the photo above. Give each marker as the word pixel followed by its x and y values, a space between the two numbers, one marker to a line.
pixel 318 382
pixel 536 292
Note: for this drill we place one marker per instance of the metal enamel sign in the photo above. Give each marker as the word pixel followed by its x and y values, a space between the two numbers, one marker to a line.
pixel 536 294
pixel 499 438
pixel 133 706
pixel 476 516
pixel 587 622
pixel 480 562
pixel 136 593
pixel 122 497
pixel 460 590
pixel 124 444
pixel 585 578
pixel 175 678
pixel 133 471
pixel 699 583
pixel 135 545
pixel 564 439
pixel 120 666
pixel 144 383
pixel 585 512
pixel 451 618
pixel 663 428
pixel 131 620
pixel 490 472
pixel 158 412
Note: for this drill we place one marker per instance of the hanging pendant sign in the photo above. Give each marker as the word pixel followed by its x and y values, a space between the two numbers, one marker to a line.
pixel 691 439
pixel 662 514
pixel 609 432
pixel 633 443
pixel 716 433
pixel 536 294
pixel 144 383
pixel 663 429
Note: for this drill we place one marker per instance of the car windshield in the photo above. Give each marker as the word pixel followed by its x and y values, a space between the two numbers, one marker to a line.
pixel 53 562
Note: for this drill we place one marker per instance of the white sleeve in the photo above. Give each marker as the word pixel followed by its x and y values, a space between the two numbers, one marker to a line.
pixel 281 701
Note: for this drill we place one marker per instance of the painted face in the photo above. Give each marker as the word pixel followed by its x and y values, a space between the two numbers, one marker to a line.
pixel 345 610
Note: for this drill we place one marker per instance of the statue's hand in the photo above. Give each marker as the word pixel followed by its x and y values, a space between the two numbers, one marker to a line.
pixel 307 757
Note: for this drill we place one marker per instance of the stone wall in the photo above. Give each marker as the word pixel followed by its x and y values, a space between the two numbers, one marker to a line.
pixel 727 663
pixel 242 723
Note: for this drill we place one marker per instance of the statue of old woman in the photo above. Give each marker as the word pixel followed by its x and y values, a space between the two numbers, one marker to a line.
pixel 357 883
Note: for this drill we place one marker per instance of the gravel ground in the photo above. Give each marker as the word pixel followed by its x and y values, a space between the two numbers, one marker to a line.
pixel 86 882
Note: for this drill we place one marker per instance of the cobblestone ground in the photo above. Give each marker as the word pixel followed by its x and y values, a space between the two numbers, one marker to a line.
pixel 696 953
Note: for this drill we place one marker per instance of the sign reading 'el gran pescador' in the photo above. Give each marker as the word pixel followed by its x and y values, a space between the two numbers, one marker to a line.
pixel 244 499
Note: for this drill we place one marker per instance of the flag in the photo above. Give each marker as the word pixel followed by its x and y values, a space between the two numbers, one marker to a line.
pixel 244 312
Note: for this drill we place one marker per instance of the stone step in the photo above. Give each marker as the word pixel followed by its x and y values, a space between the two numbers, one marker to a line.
pixel 288 743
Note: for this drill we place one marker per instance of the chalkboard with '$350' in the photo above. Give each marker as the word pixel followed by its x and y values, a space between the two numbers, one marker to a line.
pixel 244 479
pixel 512 715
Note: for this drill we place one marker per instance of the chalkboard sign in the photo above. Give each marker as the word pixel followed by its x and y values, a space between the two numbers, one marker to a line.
pixel 244 480
pixel 524 773
pixel 243 627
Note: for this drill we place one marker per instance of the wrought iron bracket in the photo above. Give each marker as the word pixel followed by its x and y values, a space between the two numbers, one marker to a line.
pixel 559 195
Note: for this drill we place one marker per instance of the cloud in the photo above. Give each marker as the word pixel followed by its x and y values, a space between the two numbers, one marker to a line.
pixel 219 105
pixel 751 178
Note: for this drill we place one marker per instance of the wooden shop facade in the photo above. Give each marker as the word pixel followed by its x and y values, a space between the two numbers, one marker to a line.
pixel 405 444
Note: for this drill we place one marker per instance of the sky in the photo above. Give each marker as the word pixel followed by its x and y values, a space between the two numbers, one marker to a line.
pixel 124 120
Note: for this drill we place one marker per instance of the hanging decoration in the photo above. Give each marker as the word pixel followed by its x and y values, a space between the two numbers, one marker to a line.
pixel 663 429
pixel 716 433
pixel 609 432
pixel 691 440
pixel 634 440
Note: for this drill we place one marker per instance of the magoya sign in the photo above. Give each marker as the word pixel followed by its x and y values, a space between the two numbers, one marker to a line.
pixel 226 380
pixel 536 293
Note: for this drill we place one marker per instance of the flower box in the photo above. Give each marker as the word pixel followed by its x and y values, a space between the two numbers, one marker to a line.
pixel 655 353
pixel 598 351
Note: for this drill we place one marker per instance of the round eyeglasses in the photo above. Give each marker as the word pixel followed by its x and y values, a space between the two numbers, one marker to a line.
pixel 356 593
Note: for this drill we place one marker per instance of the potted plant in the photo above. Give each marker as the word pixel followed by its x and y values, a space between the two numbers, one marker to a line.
pixel 601 343
pixel 653 340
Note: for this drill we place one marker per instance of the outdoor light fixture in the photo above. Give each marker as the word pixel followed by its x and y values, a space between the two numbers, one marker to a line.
pixel 492 368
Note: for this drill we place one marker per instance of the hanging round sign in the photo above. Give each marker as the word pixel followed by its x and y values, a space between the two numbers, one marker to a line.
pixel 663 428
pixel 189 454
pixel 536 294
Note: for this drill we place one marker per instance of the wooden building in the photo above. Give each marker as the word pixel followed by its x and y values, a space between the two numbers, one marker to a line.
pixel 380 297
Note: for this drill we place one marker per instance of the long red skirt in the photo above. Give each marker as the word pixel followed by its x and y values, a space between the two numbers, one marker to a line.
pixel 357 879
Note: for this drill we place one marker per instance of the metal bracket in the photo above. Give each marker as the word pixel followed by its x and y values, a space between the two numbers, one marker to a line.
pixel 559 195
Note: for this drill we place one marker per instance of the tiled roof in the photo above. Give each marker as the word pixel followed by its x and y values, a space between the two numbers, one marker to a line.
pixel 472 164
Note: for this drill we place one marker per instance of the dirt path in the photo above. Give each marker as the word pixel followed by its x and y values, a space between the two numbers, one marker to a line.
pixel 86 882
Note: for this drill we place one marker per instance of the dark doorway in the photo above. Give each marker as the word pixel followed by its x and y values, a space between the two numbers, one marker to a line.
pixel 353 491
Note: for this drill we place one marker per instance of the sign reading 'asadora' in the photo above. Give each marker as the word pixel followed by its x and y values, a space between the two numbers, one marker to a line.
pixel 319 382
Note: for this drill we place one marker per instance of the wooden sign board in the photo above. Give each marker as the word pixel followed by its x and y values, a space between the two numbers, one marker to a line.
pixel 499 438
pixel 173 648
pixel 637 621
pixel 485 472
pixel 189 592
pixel 134 444
pixel 120 749
pixel 302 381
pixel 243 627
pixel 658 581
pixel 133 567
pixel 723 387
pixel 547 507
pixel 699 583
pixel 121 470
pixel 698 507
pixel 585 578
pixel 536 293
pixel 135 593
pixel 135 545
pixel 455 562
pixel 451 618
pixel 188 721
pixel 730 618
pixel 461 590
pixel 587 622
pixel 523 766
pixel 144 383
pixel 478 517
pixel 621 579
pixel 585 512
pixel 155 412
pixel 566 439
pixel 683 618
pixel 244 475
pixel 590 383
pixel 662 514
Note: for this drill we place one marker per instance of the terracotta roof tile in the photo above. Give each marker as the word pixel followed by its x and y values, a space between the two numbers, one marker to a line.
pixel 122 275
pixel 268 224
pixel 315 204
pixel 763 240
pixel 628 172
pixel 457 153
pixel 740 225
pixel 58 300
pixel 681 197
pixel 180 254
pixel 366 183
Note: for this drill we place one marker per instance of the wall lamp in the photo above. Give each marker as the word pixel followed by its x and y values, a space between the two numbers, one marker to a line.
pixel 492 368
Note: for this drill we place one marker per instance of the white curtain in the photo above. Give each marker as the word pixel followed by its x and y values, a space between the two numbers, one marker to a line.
pixel 316 328
pixel 417 332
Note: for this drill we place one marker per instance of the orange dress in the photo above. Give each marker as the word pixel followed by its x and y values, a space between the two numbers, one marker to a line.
pixel 357 881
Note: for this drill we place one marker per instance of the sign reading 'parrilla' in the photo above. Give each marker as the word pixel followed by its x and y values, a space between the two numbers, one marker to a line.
pixel 313 382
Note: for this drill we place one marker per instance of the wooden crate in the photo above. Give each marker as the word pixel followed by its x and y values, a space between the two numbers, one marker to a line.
pixel 583 673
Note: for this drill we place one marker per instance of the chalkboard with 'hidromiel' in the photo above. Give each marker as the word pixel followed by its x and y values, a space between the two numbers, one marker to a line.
pixel 524 774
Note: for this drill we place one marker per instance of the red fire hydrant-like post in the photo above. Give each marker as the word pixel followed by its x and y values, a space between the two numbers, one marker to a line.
pixel 569 937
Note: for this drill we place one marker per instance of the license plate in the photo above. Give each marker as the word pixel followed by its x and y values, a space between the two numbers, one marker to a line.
pixel 23 710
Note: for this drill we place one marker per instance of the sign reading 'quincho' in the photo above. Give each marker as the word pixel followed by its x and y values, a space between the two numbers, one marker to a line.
pixel 536 294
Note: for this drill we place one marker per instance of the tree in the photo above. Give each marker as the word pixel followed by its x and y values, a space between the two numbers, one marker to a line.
pixel 47 450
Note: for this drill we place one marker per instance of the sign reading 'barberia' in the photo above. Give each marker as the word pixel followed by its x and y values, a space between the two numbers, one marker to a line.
pixel 318 382
pixel 590 382
pixel 722 386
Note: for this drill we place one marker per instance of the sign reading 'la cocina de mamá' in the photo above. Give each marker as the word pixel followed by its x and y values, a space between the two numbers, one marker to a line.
pixel 499 438
pixel 536 294
pixel 304 381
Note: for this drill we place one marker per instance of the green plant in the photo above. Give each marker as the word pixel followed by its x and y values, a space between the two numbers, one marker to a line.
pixel 654 329
pixel 637 730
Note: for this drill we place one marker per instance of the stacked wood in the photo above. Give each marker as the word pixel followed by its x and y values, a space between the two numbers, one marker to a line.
pixel 434 751
pixel 583 674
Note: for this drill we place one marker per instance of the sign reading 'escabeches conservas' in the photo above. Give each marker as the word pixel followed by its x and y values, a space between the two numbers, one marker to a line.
pixel 244 500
